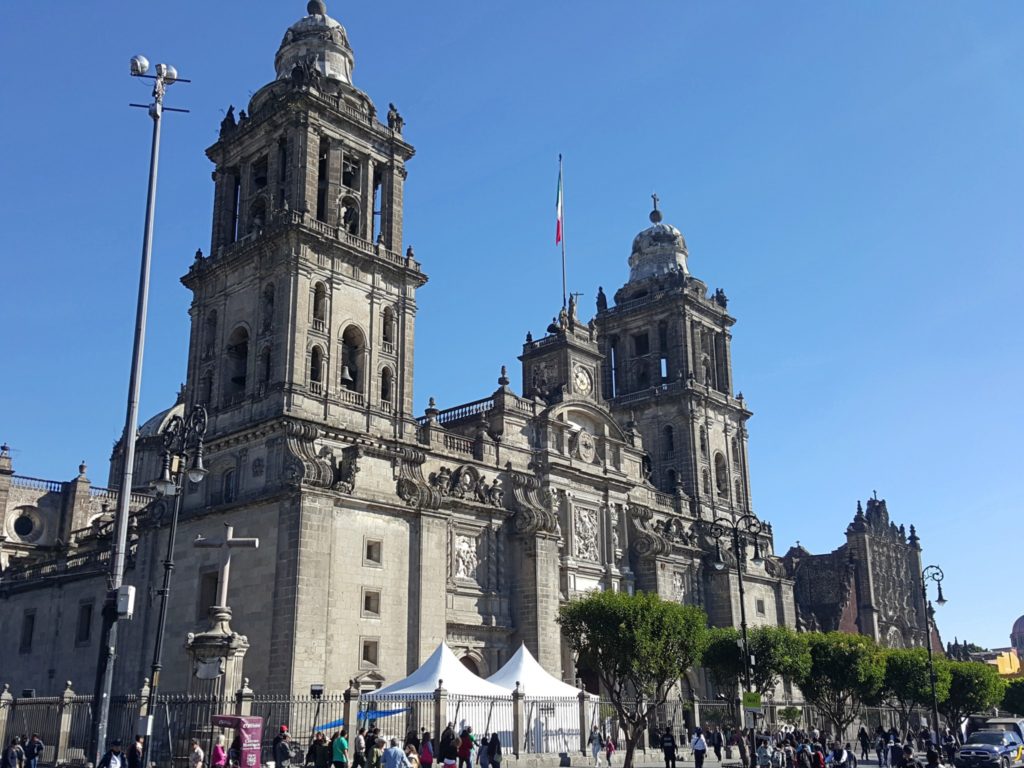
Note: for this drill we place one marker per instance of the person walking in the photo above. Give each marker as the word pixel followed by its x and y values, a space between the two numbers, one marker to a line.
pixel 33 750
pixel 668 748
pixel 865 742
pixel 493 748
pixel 450 750
pixel 717 742
pixel 596 745
pixel 394 757
pixel 412 756
pixel 426 751
pixel 218 757
pixel 282 751
pixel 609 749
pixel 699 745
pixel 359 749
pixel 135 753
pixel 339 750
pixel 195 755
pixel 14 756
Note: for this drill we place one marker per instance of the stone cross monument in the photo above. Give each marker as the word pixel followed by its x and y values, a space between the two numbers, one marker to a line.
pixel 217 654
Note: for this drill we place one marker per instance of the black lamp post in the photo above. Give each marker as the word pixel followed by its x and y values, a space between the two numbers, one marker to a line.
pixel 743 529
pixel 183 457
pixel 932 573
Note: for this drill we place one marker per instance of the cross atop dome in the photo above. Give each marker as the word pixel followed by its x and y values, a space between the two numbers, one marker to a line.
pixel 655 214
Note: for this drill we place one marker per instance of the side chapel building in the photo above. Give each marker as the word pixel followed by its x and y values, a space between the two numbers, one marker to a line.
pixel 384 532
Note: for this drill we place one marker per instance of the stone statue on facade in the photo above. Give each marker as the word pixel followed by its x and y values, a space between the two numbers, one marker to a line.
pixel 395 120
pixel 602 300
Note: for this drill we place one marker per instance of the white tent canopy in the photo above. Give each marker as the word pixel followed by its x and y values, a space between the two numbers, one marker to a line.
pixel 534 681
pixel 442 665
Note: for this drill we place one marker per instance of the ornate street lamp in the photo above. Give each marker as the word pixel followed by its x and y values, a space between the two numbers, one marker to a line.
pixel 182 458
pixel 932 573
pixel 165 75
pixel 742 530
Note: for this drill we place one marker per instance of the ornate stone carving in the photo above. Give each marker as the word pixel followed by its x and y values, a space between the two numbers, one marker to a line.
pixel 258 466
pixel 585 534
pixel 347 469
pixel 648 541
pixel 584 447
pixel 304 465
pixel 530 504
pixel 467 483
pixel 411 487
pixel 466 558
pixel 679 586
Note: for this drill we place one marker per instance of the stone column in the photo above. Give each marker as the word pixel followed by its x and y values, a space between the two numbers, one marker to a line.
pixel 518 720
pixel 243 699
pixel 440 709
pixel 350 713
pixel 60 748
pixel 431 610
pixel 584 720
pixel 6 705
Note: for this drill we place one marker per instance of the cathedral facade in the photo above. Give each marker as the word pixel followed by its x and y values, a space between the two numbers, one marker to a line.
pixel 383 531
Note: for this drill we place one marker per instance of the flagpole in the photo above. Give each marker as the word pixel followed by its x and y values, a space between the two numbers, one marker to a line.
pixel 561 190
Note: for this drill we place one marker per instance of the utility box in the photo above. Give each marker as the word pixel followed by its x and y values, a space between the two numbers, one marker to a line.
pixel 125 601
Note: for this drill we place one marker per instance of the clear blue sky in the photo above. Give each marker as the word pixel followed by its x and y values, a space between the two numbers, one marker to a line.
pixel 850 173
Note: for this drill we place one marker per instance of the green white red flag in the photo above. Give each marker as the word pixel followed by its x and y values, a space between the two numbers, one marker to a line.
pixel 558 205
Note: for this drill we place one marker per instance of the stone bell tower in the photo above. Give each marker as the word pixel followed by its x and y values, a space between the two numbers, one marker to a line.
pixel 305 305
pixel 667 369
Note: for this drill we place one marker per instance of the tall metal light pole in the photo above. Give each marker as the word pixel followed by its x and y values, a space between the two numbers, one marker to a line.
pixel 932 573
pixel 119 601
pixel 741 529
pixel 183 458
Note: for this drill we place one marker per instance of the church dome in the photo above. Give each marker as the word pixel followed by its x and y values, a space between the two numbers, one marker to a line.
pixel 316 46
pixel 1018 627
pixel 156 424
pixel 658 250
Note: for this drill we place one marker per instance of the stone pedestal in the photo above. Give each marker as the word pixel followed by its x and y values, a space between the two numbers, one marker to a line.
pixel 216 656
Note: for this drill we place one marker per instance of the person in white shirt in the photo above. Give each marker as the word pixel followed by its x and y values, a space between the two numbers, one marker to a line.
pixel 195 755
pixel 699 745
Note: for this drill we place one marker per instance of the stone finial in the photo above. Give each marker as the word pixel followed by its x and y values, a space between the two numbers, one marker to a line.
pixel 655 214
pixel 316 8
pixel 529 337
pixel 81 469
pixel 199 254
pixel 503 378
pixel 431 409
pixel 6 467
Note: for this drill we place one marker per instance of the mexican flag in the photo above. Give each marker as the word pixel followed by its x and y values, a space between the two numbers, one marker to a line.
pixel 558 205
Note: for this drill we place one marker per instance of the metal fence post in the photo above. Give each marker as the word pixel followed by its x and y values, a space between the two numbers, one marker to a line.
pixel 243 699
pixel 64 731
pixel 350 713
pixel 518 716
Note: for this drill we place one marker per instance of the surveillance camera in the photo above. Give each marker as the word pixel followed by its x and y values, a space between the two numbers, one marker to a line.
pixel 140 66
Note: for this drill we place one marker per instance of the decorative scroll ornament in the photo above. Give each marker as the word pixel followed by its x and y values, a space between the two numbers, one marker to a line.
pixel 303 465
pixel 469 484
pixel 648 541
pixel 584 447
pixel 531 505
pixel 412 488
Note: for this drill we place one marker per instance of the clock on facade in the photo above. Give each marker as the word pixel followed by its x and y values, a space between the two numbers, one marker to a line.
pixel 582 381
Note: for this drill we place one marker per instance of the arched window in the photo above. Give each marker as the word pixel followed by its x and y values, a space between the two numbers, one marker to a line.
pixel 210 334
pixel 353 347
pixel 229 486
pixel 388 326
pixel 721 476
pixel 319 306
pixel 705 481
pixel 316 370
pixel 670 481
pixel 735 452
pixel 267 307
pixel 668 440
pixel 237 365
pixel 386 387
pixel 350 215
pixel 705 366
pixel 704 442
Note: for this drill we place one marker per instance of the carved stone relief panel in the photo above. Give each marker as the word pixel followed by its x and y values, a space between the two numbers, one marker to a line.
pixel 585 534
pixel 467 559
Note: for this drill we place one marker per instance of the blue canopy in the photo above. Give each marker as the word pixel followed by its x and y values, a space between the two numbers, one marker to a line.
pixel 366 714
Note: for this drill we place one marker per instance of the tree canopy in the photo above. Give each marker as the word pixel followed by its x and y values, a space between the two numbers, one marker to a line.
pixel 1013 697
pixel 846 671
pixel 908 680
pixel 640 645
pixel 778 652
pixel 973 687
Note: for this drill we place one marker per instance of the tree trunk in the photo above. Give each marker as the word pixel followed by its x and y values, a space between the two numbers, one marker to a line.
pixel 632 731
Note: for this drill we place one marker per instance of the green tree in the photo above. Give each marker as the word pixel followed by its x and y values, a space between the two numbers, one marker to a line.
pixel 973 687
pixel 791 715
pixel 846 671
pixel 640 645
pixel 778 652
pixel 908 681
pixel 1013 697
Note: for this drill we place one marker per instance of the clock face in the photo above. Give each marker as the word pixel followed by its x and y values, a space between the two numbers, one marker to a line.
pixel 582 381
